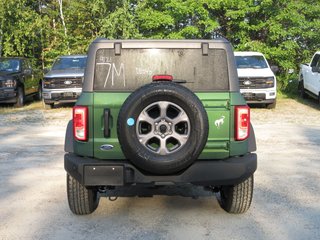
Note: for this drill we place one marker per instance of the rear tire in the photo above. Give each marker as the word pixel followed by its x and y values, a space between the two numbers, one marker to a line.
pixel 38 95
pixel 47 106
pixel 301 91
pixel 272 105
pixel 237 198
pixel 81 200
pixel 20 98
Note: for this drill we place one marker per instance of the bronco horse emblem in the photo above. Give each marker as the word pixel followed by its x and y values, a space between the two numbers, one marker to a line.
pixel 219 121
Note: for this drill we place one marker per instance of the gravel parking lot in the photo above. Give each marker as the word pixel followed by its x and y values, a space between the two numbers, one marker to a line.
pixel 286 202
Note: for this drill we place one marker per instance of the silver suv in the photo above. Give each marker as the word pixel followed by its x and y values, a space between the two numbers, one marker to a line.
pixel 63 83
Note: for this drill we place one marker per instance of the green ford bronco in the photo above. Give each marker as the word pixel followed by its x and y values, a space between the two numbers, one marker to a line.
pixel 160 112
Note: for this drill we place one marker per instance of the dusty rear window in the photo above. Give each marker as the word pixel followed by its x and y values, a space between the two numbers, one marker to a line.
pixel 135 67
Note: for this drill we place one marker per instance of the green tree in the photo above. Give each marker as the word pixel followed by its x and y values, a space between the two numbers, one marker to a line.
pixel 175 19
pixel 285 31
pixel 20 28
pixel 121 22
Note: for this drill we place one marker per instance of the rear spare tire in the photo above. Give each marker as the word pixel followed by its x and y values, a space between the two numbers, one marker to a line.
pixel 162 127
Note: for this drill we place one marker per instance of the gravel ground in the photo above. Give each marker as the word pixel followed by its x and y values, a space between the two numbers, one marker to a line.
pixel 285 204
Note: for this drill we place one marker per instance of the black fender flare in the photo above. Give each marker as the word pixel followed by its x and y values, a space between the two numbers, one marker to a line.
pixel 252 146
pixel 68 142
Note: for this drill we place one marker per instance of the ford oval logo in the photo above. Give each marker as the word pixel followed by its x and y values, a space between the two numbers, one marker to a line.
pixel 68 82
pixel 248 82
pixel 106 147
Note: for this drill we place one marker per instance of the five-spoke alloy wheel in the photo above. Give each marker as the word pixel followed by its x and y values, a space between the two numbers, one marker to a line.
pixel 163 127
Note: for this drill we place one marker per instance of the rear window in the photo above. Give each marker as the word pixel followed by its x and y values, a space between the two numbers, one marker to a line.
pixel 135 68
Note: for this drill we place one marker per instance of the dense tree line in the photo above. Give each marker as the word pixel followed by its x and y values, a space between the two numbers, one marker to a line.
pixel 287 32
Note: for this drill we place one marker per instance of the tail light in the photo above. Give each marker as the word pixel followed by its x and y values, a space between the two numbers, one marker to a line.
pixel 242 122
pixel 80 123
pixel 162 78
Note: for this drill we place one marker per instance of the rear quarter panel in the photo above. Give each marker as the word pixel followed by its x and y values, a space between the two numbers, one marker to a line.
pixel 217 106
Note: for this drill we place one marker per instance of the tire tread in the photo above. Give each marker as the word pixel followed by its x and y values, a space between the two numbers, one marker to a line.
pixel 20 97
pixel 81 200
pixel 301 89
pixel 237 199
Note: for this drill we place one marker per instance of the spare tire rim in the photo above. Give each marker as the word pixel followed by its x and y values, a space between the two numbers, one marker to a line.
pixel 163 127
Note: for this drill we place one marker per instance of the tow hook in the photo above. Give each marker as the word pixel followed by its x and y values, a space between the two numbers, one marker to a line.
pixel 104 189
pixel 112 199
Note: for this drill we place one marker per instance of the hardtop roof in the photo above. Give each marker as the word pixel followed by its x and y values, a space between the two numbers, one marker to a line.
pixel 20 58
pixel 73 56
pixel 105 40
pixel 248 53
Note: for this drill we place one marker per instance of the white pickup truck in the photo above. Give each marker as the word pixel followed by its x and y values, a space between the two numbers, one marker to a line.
pixel 258 83
pixel 309 80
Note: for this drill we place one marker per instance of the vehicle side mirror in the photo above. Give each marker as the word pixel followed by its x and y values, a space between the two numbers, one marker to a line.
pixel 274 69
pixel 27 71
pixel 290 71
pixel 315 69
pixel 46 70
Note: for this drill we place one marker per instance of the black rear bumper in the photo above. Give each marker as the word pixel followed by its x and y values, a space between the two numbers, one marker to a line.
pixel 94 172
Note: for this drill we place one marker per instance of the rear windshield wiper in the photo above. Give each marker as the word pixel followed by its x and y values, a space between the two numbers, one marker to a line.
pixel 179 81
